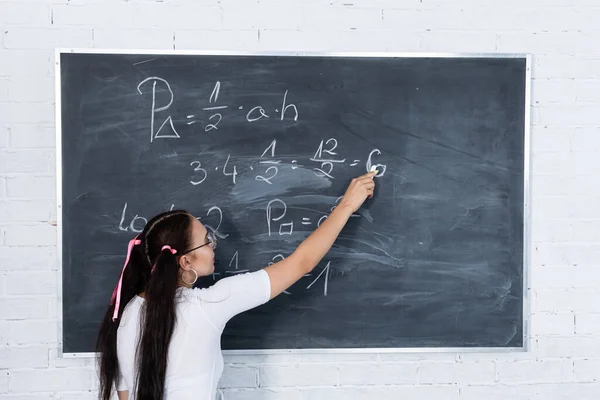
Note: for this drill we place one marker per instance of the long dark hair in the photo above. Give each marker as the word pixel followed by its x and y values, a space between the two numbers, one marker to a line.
pixel 153 271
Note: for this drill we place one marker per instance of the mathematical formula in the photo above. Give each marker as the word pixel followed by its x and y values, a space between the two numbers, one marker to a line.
pixel 325 158
pixel 166 129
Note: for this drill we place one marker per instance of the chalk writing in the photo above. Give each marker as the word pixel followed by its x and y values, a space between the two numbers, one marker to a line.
pixel 155 109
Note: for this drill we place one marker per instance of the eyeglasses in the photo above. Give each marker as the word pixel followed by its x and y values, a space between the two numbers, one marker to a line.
pixel 212 243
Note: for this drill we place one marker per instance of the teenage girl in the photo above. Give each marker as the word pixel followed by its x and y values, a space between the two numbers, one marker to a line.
pixel 160 337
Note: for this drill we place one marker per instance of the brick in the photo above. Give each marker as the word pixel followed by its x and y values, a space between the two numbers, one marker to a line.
pixel 23 357
pixel 560 391
pixel 344 40
pixel 141 38
pixel 213 40
pixel 458 41
pixel 586 139
pixel 273 15
pixel 4 381
pixel 26 258
pixel 28 332
pixel 566 115
pixel 587 67
pixel 581 184
pixel 587 90
pixel 30 283
pixel 32 136
pixel 586 163
pixel 549 185
pixel 3 137
pixel 585 207
pixel 587 370
pixel 551 231
pixel 552 163
pixel 319 15
pixel 25 210
pixel 498 392
pixel 19 308
pixel 30 235
pixel 565 300
pixel 458 372
pixel 4 84
pixel 578 346
pixel 32 88
pixel 51 379
pixel 553 90
pixel 20 13
pixel 549 323
pixel 449 17
pixel 117 15
pixel 551 139
pixel 28 396
pixel 298 375
pixel 37 38
pixel 547 42
pixel 192 15
pixel 551 207
pixel 239 377
pixel 93 395
pixel 587 324
pixel 535 371
pixel 26 161
pixel 260 358
pixel 584 254
pixel 585 231
pixel 543 3
pixel 31 186
pixel 555 66
pixel 378 374
pixel 26 112
pixel 548 277
pixel 404 392
pixel 26 63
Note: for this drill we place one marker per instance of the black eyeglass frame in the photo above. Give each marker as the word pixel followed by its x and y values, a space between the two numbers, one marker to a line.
pixel 211 239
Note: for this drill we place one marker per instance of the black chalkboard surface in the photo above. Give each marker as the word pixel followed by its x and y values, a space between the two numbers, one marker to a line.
pixel 261 147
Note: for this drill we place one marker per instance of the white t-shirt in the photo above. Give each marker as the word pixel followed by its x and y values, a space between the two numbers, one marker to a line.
pixel 195 362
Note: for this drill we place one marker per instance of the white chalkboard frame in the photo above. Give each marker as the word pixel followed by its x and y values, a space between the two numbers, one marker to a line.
pixel 526 192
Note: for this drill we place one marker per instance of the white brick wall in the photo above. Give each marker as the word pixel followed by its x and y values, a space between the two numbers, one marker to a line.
pixel 562 35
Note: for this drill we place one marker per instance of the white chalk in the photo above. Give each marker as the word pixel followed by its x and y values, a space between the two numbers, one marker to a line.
pixel 374 169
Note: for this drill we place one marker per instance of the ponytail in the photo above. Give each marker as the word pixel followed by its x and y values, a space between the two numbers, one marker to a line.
pixel 158 325
pixel 135 274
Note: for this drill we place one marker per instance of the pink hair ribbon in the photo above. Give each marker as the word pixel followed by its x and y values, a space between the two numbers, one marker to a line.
pixel 116 295
pixel 165 247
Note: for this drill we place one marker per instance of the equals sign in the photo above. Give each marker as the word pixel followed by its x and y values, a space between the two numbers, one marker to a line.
pixel 192 122
pixel 306 221
pixel 355 163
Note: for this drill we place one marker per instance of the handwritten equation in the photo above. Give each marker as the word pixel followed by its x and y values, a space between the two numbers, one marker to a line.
pixel 325 158
pixel 166 129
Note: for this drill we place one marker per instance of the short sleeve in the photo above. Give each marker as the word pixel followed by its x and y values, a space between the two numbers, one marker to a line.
pixel 235 294
pixel 121 385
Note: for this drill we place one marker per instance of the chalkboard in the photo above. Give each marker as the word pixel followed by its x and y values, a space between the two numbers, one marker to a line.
pixel 261 147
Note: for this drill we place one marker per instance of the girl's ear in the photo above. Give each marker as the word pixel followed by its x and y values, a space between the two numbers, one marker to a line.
pixel 184 262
